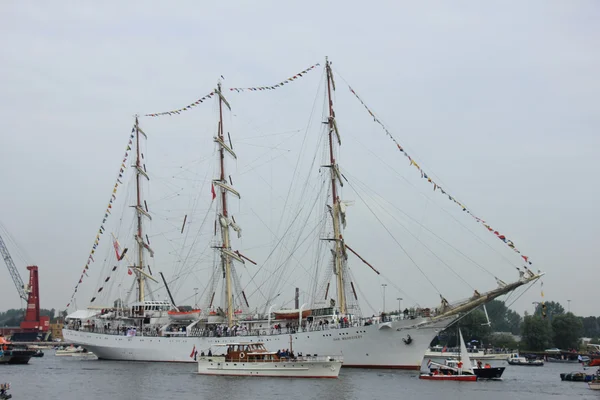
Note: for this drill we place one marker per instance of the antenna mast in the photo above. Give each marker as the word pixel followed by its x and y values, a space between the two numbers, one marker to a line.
pixel 339 252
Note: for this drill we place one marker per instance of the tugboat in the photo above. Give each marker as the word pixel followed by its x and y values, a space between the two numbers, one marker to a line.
pixel 253 359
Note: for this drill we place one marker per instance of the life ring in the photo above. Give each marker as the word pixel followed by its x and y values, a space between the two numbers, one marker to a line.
pixel 242 354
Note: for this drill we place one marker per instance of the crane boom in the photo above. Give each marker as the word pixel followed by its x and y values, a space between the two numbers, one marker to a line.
pixel 14 273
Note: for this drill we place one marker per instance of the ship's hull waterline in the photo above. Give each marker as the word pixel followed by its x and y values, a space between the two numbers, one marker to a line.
pixel 397 344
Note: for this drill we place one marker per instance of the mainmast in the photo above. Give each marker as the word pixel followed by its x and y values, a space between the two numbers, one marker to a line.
pixel 142 211
pixel 339 251
pixel 222 214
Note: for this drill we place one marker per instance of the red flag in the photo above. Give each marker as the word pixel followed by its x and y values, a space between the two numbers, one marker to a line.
pixel 193 352
pixel 444 349
pixel 212 190
pixel 129 271
pixel 525 258
pixel 116 245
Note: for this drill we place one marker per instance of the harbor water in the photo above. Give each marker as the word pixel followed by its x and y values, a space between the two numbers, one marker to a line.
pixel 66 378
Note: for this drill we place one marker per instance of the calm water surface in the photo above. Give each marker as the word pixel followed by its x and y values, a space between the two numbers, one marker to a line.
pixel 66 378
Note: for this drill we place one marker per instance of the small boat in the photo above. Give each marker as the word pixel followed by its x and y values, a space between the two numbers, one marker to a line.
pixel 73 351
pixel 577 376
pixel 460 370
pixel 38 353
pixel 184 315
pixel 4 387
pixel 11 353
pixel 291 314
pixel 594 384
pixel 253 359
pixel 487 371
pixel 515 359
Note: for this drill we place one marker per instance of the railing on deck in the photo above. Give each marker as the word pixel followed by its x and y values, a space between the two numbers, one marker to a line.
pixel 223 331
pixel 303 358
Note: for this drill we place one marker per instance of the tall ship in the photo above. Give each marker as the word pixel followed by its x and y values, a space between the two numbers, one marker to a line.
pixel 150 328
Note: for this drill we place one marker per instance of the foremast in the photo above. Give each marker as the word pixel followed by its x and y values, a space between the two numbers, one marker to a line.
pixel 339 250
pixel 142 212
pixel 225 188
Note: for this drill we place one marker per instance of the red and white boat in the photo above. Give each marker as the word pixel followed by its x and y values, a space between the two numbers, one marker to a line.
pixel 463 371
pixel 291 314
pixel 184 315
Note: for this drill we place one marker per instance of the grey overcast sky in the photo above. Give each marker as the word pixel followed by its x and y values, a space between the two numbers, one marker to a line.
pixel 498 99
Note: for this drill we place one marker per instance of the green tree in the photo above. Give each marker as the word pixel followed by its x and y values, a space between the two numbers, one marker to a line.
pixel 502 318
pixel 503 340
pixel 473 326
pixel 13 317
pixel 567 330
pixel 591 327
pixel 536 333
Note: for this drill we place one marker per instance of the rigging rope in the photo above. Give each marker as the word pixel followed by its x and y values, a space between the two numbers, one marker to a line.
pixel 436 186
pixel 395 240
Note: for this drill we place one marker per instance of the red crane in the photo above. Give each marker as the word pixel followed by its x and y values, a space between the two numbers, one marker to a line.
pixel 30 293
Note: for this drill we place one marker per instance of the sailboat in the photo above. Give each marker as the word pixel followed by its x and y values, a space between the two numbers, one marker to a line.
pixel 452 370
pixel 144 331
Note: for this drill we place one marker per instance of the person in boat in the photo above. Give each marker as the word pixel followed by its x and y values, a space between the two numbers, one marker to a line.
pixel 202 353
pixel 487 365
pixel 209 352
pixel 479 364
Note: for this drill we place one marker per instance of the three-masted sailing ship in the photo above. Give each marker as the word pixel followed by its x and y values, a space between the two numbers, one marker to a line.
pixel 144 331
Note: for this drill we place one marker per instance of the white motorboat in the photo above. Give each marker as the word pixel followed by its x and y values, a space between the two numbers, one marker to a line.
pixel 253 359
pixel 515 359
pixel 73 351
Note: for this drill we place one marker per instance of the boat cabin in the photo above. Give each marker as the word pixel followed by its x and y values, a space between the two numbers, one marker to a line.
pixel 249 352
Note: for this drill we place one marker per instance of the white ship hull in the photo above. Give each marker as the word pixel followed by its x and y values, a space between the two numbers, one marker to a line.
pixel 285 369
pixel 384 345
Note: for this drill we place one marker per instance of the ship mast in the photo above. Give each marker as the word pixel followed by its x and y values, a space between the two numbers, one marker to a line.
pixel 339 251
pixel 141 212
pixel 223 214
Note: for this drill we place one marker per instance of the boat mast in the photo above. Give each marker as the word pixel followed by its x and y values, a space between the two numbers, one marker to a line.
pixel 139 240
pixel 339 251
pixel 223 215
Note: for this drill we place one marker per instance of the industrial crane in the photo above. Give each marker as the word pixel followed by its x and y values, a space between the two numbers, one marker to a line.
pixel 14 273
pixel 32 323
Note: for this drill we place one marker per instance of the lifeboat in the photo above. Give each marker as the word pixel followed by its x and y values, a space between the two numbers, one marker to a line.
pixel 184 315
pixel 291 314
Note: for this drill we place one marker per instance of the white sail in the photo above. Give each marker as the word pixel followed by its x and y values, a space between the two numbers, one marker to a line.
pixel 464 356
